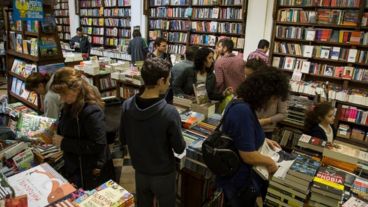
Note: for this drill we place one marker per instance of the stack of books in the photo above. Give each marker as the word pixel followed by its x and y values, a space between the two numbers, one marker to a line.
pixel 354 202
pixel 328 187
pixel 294 188
pixel 312 143
pixel 5 189
pixel 49 153
pixel 360 188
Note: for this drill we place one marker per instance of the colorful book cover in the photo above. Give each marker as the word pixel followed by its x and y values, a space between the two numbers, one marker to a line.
pixel 330 178
pixel 42 184
pixel 108 194
pixel 30 124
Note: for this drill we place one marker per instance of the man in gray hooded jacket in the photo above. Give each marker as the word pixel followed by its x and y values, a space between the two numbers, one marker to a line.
pixel 152 130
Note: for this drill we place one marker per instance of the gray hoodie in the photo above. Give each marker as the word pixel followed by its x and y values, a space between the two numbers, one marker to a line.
pixel 152 134
pixel 51 103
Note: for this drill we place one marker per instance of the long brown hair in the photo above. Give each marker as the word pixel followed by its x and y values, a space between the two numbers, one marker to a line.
pixel 68 78
pixel 315 116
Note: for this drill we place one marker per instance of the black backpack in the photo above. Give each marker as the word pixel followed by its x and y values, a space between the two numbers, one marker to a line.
pixel 218 151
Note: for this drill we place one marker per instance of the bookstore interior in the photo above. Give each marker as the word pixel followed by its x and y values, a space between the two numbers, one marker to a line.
pixel 183 103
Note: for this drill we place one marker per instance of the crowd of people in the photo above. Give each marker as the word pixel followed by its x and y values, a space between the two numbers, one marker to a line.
pixel 151 127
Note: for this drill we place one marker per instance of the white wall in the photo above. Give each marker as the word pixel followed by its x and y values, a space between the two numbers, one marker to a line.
pixel 259 24
pixel 74 19
pixel 137 17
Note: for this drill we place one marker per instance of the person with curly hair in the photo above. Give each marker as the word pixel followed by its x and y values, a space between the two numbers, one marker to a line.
pixel 202 72
pixel 319 122
pixel 270 116
pixel 152 130
pixel 258 91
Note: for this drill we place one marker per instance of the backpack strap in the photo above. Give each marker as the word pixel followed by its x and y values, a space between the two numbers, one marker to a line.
pixel 230 105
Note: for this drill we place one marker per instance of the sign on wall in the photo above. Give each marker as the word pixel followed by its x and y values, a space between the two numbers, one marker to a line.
pixel 27 10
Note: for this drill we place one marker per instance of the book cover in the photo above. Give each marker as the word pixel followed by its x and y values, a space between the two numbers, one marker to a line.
pixel 335 53
pixel 289 63
pixel 42 184
pixel 330 179
pixel 19 43
pixel 308 50
pixel 325 52
pixel 108 194
pixel 305 67
pixel 352 55
pixel 304 167
pixel 48 24
pixel 310 34
pixel 354 202
pixel 30 124
pixel 19 201
pixel 200 93
pixel 348 72
pixel 24 160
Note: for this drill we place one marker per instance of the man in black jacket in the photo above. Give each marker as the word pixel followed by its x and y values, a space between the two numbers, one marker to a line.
pixel 152 130
pixel 80 42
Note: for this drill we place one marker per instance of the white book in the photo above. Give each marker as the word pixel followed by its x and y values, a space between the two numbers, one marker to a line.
pixel 289 63
pixel 352 55
pixel 310 34
pixel 308 51
pixel 325 52
pixel 276 62
pixel 215 13
pixel 305 67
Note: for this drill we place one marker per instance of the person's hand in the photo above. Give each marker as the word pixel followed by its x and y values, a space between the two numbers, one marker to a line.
pixel 228 91
pixel 274 145
pixel 272 168
pixel 56 140
pixel 96 172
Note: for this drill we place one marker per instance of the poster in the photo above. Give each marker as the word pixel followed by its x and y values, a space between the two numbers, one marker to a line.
pixel 27 10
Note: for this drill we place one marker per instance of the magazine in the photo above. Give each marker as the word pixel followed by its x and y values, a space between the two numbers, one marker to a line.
pixel 283 160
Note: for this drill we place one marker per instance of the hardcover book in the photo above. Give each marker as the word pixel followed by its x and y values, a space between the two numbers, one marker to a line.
pixel 42 185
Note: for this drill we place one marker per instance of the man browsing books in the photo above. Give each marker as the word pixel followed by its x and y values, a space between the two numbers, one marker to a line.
pixel 152 130
pixel 261 52
pixel 80 42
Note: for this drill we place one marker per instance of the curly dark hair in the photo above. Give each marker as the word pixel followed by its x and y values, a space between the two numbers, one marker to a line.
pixel 264 83
pixel 255 64
pixel 153 69
pixel 201 57
pixel 315 116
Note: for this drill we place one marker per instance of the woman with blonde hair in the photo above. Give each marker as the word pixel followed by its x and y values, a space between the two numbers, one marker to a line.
pixel 81 132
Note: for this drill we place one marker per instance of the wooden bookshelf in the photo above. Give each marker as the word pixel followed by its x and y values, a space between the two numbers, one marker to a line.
pixel 289 34
pixel 62 19
pixel 169 17
pixel 20 44
pixel 108 15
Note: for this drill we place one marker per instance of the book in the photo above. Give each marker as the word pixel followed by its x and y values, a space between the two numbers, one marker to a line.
pixel 5 189
pixel 308 50
pixel 310 34
pixel 352 56
pixel 42 184
pixel 360 187
pixel 48 23
pixel 19 201
pixel 330 179
pixel 19 43
pixel 354 202
pixel 200 93
pixel 282 159
pixel 108 194
pixel 335 53
pixel 312 143
pixel 304 168
pixel 29 125
pixel 191 118
pixel 24 160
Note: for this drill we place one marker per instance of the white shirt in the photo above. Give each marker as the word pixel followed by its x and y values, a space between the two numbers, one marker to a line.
pixel 328 132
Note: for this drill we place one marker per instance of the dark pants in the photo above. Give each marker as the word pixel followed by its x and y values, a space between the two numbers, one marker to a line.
pixel 161 187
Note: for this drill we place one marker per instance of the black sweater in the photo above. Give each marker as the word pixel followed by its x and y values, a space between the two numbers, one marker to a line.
pixel 152 134
pixel 318 132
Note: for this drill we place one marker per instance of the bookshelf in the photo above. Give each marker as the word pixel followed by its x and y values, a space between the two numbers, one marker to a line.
pixel 61 9
pixel 324 42
pixel 107 22
pixel 197 22
pixel 30 46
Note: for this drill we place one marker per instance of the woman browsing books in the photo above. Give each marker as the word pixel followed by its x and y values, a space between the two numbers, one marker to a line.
pixel 262 88
pixel 202 73
pixel 82 131
pixel 319 122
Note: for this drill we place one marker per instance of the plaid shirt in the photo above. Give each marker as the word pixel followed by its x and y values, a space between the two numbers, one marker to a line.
pixel 258 54
pixel 229 71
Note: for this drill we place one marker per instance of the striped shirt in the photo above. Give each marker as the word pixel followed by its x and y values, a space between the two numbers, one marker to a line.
pixel 258 54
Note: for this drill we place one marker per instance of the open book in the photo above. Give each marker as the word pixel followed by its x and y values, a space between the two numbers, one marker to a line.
pixel 283 160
